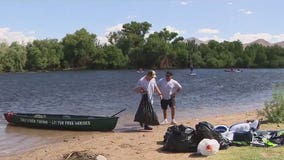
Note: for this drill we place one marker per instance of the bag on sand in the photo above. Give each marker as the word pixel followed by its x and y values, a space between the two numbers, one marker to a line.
pixel 242 138
pixel 145 112
pixel 180 139
pixel 206 130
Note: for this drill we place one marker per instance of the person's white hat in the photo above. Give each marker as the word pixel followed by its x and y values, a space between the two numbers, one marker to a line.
pixel 152 73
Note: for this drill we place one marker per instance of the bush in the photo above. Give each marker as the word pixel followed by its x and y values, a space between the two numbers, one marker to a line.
pixel 274 109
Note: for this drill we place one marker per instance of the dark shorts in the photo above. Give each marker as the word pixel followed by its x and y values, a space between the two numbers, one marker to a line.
pixel 167 102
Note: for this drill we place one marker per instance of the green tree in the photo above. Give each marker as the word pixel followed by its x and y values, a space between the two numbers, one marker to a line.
pixel 114 57
pixel 154 51
pixel 260 57
pixel 3 51
pixel 137 58
pixel 197 59
pixel 205 53
pixel 193 58
pixel 78 49
pixel 20 56
pixel 165 49
pixel 12 58
pixel 178 56
pixel 99 59
pixel 249 55
pixel 275 56
pixel 131 40
pixel 44 55
pixel 131 36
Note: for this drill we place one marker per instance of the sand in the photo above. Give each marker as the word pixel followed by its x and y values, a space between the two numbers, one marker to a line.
pixel 135 144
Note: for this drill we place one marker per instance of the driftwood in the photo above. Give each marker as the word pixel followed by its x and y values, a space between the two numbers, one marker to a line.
pixel 80 155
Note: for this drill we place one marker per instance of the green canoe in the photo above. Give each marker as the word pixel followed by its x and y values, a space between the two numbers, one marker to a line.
pixel 67 122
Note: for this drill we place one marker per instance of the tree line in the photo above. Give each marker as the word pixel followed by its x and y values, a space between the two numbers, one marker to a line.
pixel 134 47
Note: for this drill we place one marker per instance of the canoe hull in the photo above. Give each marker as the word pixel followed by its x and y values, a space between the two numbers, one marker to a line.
pixel 64 122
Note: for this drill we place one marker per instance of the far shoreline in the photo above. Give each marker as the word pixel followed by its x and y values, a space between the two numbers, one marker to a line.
pixel 134 69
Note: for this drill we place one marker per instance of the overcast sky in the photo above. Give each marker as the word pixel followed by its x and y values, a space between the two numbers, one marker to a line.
pixel 244 20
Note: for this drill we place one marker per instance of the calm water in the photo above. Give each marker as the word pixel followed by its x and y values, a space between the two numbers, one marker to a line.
pixel 211 92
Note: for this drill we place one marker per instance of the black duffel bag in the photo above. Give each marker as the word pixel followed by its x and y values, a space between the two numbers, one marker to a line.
pixel 206 130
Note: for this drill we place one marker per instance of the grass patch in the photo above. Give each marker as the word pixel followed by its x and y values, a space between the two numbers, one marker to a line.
pixel 274 110
pixel 274 113
pixel 251 152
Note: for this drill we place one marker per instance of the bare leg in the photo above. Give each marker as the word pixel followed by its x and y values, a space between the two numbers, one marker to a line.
pixel 173 112
pixel 165 113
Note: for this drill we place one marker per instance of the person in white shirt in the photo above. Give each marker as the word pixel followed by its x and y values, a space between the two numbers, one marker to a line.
pixel 169 88
pixel 147 86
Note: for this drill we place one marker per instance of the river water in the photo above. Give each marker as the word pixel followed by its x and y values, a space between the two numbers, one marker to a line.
pixel 210 92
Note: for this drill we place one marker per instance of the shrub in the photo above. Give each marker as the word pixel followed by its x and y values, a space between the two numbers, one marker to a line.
pixel 274 110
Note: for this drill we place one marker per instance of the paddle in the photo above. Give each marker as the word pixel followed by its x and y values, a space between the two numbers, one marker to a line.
pixel 118 112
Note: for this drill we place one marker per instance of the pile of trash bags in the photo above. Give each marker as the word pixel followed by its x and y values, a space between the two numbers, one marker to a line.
pixel 186 139
pixel 182 138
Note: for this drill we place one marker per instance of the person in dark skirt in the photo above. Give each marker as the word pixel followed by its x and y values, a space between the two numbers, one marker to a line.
pixel 145 114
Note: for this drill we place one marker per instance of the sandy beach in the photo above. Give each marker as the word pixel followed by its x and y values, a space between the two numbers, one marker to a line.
pixel 130 144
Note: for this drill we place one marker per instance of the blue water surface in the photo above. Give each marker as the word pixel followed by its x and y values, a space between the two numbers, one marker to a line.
pixel 105 92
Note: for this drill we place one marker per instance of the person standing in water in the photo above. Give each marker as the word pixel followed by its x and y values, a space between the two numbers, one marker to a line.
pixel 169 88
pixel 191 68
pixel 145 114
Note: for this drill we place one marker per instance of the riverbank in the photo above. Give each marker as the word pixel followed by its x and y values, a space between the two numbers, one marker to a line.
pixel 134 143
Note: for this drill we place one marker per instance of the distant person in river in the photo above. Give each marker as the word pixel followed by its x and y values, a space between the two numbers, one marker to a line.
pixel 169 88
pixel 145 114
pixel 191 68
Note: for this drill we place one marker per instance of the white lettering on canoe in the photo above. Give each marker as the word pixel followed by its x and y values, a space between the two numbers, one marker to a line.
pixel 69 123
pixel 27 120
pixel 39 121
pixel 55 122
pixel 82 123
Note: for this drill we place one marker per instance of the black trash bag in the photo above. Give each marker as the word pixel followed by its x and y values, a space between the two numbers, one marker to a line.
pixel 242 138
pixel 206 130
pixel 145 112
pixel 180 139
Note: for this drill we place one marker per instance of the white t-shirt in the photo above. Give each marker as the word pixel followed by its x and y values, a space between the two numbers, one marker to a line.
pixel 168 87
pixel 148 86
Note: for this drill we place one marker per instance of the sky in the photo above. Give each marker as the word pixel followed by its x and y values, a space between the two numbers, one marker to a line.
pixel 230 20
